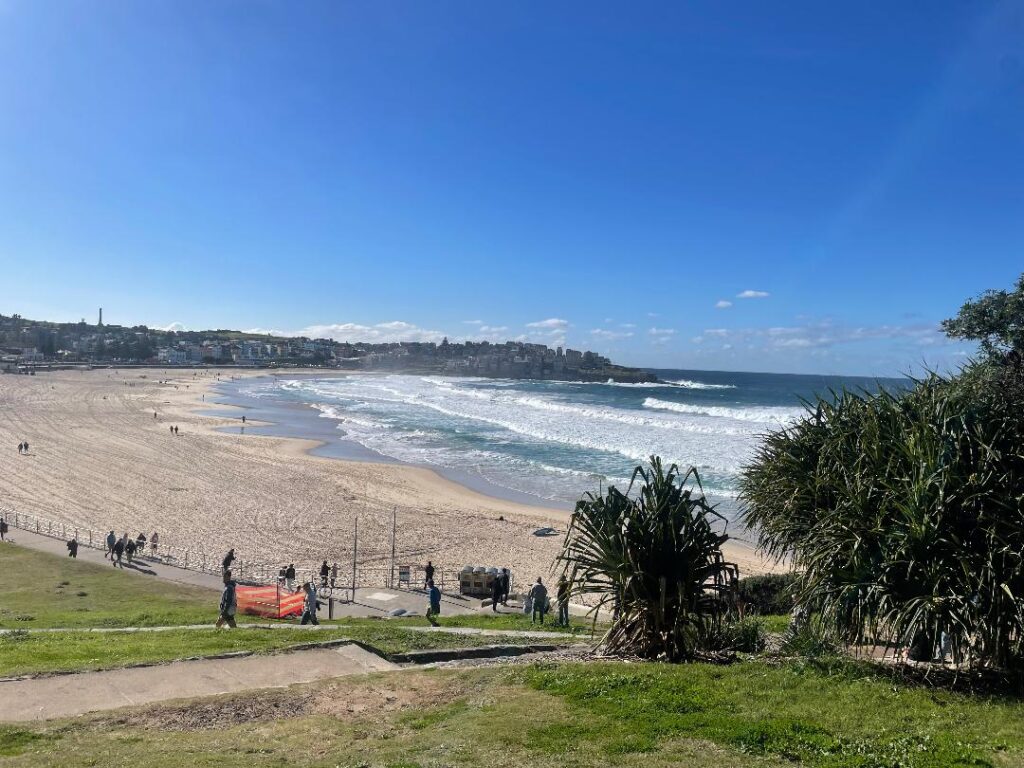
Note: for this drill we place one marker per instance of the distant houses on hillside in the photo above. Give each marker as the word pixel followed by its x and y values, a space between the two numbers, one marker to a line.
pixel 27 343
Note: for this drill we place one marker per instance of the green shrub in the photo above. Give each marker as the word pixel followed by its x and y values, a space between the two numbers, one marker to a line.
pixel 768 595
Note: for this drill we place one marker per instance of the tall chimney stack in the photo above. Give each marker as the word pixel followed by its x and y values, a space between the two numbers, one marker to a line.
pixel 101 316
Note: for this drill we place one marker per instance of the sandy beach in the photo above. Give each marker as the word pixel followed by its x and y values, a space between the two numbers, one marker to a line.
pixel 98 458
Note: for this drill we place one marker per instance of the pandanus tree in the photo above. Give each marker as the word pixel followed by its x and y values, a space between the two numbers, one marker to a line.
pixel 652 556
pixel 903 514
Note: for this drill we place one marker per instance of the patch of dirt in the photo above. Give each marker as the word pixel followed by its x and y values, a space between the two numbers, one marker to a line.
pixel 342 699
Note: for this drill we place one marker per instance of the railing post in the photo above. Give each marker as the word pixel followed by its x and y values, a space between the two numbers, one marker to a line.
pixel 186 558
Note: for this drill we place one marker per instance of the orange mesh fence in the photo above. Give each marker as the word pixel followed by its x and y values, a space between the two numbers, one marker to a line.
pixel 271 602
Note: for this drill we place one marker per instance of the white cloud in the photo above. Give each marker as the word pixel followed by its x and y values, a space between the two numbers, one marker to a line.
pixel 607 335
pixel 627 325
pixel 176 327
pixel 551 324
pixel 749 294
pixel 493 328
pixel 661 335
pixel 722 304
pixel 391 331
pixel 473 322
pixel 825 334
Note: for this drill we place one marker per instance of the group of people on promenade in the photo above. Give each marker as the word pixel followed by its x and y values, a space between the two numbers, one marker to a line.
pixel 123 548
pixel 537 604
pixel 229 596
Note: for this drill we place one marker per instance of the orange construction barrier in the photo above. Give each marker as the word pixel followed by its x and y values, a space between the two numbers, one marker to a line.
pixel 271 602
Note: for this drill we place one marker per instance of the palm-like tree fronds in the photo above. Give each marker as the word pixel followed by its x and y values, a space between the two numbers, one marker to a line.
pixel 653 556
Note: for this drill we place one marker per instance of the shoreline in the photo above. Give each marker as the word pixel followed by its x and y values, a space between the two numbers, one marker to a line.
pixel 101 457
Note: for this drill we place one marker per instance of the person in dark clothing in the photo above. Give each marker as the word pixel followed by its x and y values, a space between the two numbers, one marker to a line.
pixel 289 577
pixel 172 429
pixel 21 448
pixel 118 553
pixel 229 558
pixel 496 592
pixel 505 582
pixel 310 606
pixel 73 547
pixel 539 593
pixel 563 601
pixel 3 529
pixel 325 572
pixel 26 447
pixel 228 602
pixel 140 543
pixel 111 541
pixel 428 574
pixel 129 550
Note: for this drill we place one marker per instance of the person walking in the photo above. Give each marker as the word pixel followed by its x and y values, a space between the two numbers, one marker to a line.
pixel 505 582
pixel 73 547
pixel 26 447
pixel 562 593
pixel 539 594
pixel 281 576
pixel 21 448
pixel 325 571
pixel 3 529
pixel 228 602
pixel 117 553
pixel 111 541
pixel 434 604
pixel 428 574
pixel 495 592
pixel 140 543
pixel 229 558
pixel 289 577
pixel 129 549
pixel 311 604
pixel 154 540
pixel 172 429
pixel 334 575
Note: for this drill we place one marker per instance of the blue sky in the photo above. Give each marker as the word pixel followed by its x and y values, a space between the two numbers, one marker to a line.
pixel 629 178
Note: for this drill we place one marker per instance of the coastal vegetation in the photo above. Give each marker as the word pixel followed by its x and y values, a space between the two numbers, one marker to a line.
pixel 651 555
pixel 901 512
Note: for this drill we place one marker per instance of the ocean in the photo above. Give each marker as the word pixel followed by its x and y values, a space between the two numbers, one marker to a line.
pixel 550 441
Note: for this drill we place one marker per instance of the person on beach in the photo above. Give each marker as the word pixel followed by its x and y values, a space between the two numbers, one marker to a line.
pixel 153 541
pixel 289 577
pixel 539 594
pixel 334 575
pixel 229 558
pixel 140 543
pixel 111 541
pixel 428 574
pixel 563 601
pixel 325 571
pixel 505 582
pixel 281 576
pixel 73 547
pixel 434 606
pixel 495 592
pixel 311 604
pixel 243 419
pixel 3 529
pixel 26 447
pixel 21 448
pixel 228 602
pixel 172 429
pixel 129 549
pixel 118 553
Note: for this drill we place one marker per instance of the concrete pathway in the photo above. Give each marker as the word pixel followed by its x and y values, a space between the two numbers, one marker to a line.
pixel 399 624
pixel 77 694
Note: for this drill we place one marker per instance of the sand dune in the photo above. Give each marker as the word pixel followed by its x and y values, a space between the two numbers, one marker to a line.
pixel 100 459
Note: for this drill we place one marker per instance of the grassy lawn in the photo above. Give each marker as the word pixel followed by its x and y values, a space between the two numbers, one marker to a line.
pixel 42 590
pixel 610 714
pixel 26 653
